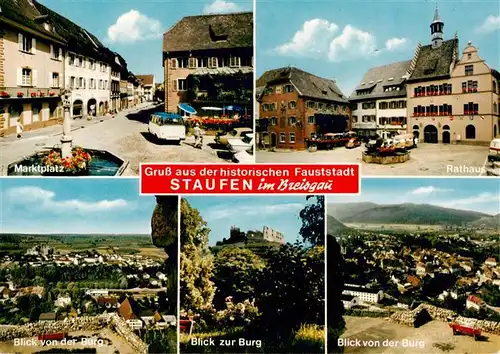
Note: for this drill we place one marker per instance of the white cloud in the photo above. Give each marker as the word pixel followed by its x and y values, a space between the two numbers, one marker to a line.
pixel 491 24
pixel 429 190
pixel 395 43
pixel 313 38
pixel 352 43
pixel 45 199
pixel 232 211
pixel 481 198
pixel 221 7
pixel 133 26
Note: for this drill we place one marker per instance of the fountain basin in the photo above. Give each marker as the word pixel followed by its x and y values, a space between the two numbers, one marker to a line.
pixel 103 163
pixel 399 157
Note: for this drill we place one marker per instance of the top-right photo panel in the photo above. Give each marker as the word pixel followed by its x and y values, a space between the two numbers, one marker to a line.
pixel 403 88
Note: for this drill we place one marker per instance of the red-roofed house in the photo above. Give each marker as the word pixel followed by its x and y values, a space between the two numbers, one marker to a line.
pixel 127 312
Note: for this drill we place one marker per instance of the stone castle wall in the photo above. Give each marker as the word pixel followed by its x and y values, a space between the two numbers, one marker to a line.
pixel 85 323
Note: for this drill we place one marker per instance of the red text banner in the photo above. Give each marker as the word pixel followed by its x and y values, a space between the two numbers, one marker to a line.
pixel 249 179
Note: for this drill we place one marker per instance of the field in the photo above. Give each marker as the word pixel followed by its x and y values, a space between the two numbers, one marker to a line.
pixel 407 227
pixel 433 337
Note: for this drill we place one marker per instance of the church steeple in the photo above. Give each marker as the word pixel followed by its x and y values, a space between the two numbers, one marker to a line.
pixel 436 30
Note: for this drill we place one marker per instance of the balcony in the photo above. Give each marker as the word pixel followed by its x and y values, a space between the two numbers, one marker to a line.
pixel 28 92
pixel 364 125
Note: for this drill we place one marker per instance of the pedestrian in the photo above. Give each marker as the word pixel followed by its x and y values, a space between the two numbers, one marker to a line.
pixel 19 128
pixel 197 135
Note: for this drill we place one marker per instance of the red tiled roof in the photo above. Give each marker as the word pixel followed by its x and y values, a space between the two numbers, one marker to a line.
pixel 474 299
pixel 146 79
pixel 413 280
pixel 126 310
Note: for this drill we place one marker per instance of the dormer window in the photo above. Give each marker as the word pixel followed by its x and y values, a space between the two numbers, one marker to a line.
pixel 47 26
pixel 217 33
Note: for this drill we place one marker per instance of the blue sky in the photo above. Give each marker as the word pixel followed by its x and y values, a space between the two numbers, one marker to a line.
pixel 250 213
pixel 342 39
pixel 134 28
pixel 481 195
pixel 74 206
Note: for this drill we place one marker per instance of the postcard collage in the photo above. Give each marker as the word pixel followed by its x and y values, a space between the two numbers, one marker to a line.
pixel 407 90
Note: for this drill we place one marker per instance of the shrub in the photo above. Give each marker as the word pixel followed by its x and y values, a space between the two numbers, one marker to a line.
pixel 237 314
pixel 309 339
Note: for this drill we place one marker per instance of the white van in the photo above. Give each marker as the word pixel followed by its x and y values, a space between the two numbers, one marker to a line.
pixel 167 126
pixel 494 153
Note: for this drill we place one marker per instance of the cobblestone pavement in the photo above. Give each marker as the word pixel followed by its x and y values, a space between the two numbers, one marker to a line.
pixel 125 135
pixel 427 159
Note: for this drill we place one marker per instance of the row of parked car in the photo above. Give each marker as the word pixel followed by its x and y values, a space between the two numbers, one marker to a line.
pixel 239 142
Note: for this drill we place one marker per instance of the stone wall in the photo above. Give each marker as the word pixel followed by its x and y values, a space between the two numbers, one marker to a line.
pixel 121 327
pixel 90 323
pixel 409 318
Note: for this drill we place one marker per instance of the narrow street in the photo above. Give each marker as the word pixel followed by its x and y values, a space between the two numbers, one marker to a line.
pixel 125 135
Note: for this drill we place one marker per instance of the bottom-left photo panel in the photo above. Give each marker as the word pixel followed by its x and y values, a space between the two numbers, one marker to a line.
pixel 87 266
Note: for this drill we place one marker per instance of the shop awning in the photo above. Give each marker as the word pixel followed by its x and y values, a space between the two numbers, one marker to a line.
pixel 187 108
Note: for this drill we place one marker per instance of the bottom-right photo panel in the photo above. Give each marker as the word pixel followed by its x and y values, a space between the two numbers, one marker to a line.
pixel 413 267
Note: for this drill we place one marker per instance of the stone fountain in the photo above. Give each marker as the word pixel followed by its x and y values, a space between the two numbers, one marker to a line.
pixel 102 163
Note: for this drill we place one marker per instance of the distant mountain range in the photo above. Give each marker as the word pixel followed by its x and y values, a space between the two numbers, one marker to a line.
pixel 409 213
pixel 333 226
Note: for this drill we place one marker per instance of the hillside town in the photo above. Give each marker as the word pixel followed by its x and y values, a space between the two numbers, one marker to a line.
pixel 392 271
pixel 446 96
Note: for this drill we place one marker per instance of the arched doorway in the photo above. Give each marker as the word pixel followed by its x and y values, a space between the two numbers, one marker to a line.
pixel 35 109
pixel 92 107
pixel 416 131
pixel 430 134
pixel 274 140
pixel 470 132
pixel 106 107
pixel 77 108
pixel 446 134
pixel 101 108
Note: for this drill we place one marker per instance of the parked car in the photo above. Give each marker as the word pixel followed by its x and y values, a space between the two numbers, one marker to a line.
pixel 494 153
pixel 353 143
pixel 236 145
pixel 245 156
pixel 222 138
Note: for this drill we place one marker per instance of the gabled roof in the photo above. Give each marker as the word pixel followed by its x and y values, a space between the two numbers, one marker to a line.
pixel 210 32
pixel 25 12
pixel 146 79
pixel 380 77
pixel 79 40
pixel 307 84
pixel 434 63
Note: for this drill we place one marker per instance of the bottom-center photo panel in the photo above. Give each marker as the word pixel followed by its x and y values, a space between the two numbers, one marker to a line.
pixel 252 274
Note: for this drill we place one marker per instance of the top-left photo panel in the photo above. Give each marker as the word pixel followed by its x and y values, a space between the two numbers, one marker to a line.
pixel 94 88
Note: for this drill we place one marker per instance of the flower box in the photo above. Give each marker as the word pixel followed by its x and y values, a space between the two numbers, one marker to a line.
pixel 4 94
pixel 77 164
pixel 52 94
pixel 41 94
pixel 470 90
pixel 20 94
pixel 466 113
pixel 464 90
pixel 474 90
pixel 476 113
pixel 33 94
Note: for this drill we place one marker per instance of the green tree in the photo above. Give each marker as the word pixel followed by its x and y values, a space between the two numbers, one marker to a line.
pixel 236 272
pixel 290 291
pixel 196 288
pixel 312 216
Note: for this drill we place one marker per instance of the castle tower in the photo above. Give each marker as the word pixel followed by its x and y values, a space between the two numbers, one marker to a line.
pixel 436 30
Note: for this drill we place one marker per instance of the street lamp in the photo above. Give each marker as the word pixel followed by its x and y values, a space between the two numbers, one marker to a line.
pixel 66 139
